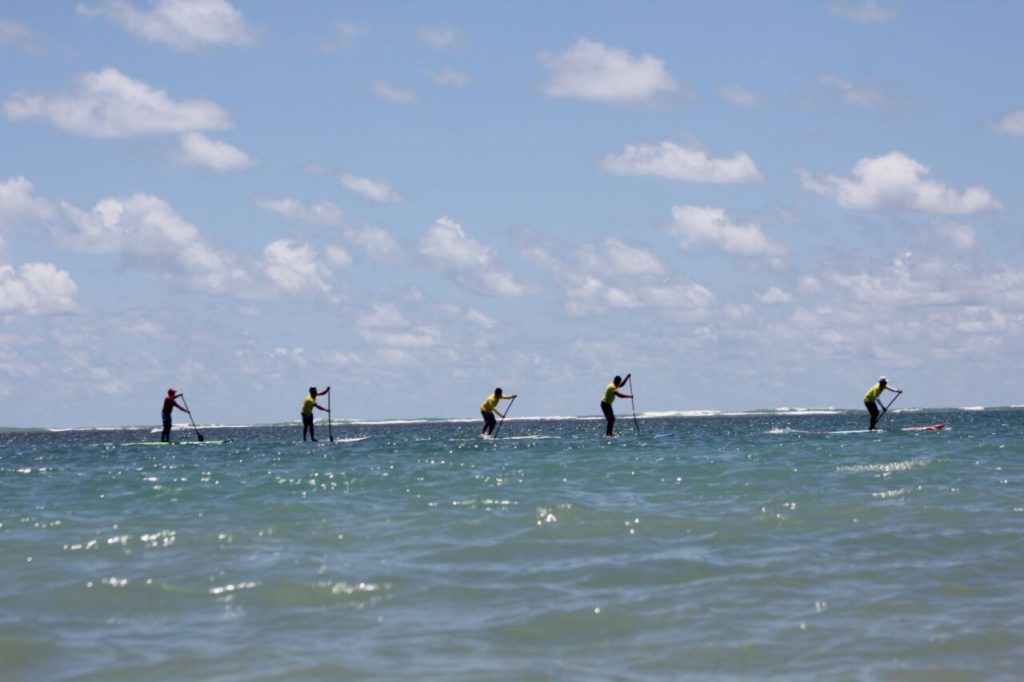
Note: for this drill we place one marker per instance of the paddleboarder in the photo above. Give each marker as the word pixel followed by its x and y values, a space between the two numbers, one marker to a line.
pixel 871 399
pixel 489 407
pixel 307 411
pixel 611 391
pixel 170 402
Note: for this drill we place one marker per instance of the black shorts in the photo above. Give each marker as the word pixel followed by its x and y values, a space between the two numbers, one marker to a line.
pixel 307 419
pixel 609 413
pixel 488 418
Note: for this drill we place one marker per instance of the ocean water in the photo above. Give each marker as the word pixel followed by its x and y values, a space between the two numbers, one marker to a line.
pixel 724 547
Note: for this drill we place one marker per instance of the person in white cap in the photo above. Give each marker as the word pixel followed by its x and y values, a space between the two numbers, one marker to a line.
pixel 871 399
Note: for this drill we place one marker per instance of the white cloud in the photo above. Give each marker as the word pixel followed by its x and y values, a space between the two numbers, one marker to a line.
pixel 376 241
pixel 477 317
pixel 895 181
pixel 338 256
pixel 293 268
pixel 375 190
pixel 697 224
pixel 591 71
pixel 422 337
pixel 17 35
pixel 592 295
pixel 108 104
pixel 394 93
pixel 867 11
pixel 186 25
pixel 386 328
pixel 617 276
pixel 809 284
pixel 147 232
pixel 383 315
pixel 671 161
pixel 450 77
pixel 738 96
pixel 629 260
pixel 36 289
pixel 1010 123
pixel 346 33
pixel 17 203
pixel 863 95
pixel 319 213
pixel 438 37
pixel 468 262
pixel 773 296
pixel 199 150
pixel 898 285
pixel 959 235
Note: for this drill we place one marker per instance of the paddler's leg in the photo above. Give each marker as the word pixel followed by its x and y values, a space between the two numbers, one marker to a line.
pixel 609 415
pixel 873 411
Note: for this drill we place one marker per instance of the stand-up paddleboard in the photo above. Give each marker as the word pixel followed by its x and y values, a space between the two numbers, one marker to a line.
pixel 354 439
pixel 496 438
pixel 180 442
pixel 930 427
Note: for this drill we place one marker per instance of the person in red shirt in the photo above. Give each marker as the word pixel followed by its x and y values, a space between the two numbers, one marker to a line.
pixel 170 402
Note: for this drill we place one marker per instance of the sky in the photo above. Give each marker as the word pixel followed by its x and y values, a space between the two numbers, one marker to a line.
pixel 747 205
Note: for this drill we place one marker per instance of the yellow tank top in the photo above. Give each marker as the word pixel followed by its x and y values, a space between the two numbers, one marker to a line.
pixel 489 404
pixel 609 393
pixel 873 393
pixel 307 405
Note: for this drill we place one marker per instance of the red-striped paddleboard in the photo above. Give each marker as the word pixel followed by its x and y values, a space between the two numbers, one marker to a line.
pixel 930 427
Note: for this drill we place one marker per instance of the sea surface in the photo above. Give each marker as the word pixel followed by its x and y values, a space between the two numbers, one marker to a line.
pixel 718 547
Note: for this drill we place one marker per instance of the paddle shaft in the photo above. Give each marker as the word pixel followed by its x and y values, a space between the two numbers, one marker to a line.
pixel 633 404
pixel 199 436
pixel 503 416
pixel 885 408
pixel 330 429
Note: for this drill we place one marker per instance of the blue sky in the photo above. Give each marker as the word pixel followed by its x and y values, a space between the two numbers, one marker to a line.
pixel 746 204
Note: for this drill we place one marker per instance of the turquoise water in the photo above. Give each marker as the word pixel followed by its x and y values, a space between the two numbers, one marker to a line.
pixel 741 547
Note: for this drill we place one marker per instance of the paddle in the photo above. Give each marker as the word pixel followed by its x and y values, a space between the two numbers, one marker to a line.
pixel 633 403
pixel 199 436
pixel 503 416
pixel 885 408
pixel 330 429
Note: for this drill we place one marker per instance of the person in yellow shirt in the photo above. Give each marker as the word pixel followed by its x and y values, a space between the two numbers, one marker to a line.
pixel 610 393
pixel 871 399
pixel 489 407
pixel 307 411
